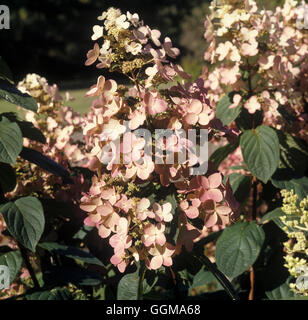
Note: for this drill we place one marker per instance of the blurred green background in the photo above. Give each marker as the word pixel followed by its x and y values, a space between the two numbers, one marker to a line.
pixel 52 37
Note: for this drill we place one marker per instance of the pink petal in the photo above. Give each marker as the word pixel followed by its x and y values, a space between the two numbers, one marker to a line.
pixel 122 266
pixel 223 210
pixel 215 195
pixel 115 260
pixel 167 207
pixel 114 240
pixel 160 239
pixel 191 118
pixel 194 107
pixel 143 204
pixel 95 217
pixel 192 212
pixel 204 183
pixel 215 180
pixel 110 85
pixel 204 119
pixel 195 202
pixel 156 262
pixel 105 209
pixel 210 220
pixel 88 222
pixel 88 207
pixel 167 261
pixel 148 241
pixel 168 217
pixel 184 205
pixel 143 174
pixel 103 231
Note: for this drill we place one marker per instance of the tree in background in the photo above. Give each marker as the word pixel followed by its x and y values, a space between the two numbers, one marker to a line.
pixel 52 37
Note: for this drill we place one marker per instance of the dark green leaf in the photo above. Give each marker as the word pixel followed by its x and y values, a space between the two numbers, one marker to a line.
pixel 79 276
pixel 11 94
pixel 225 283
pixel 204 277
pixel 25 220
pixel 71 252
pixel 5 72
pixel 53 294
pixel 31 132
pixel 241 186
pixel 199 246
pixel 171 198
pixel 237 168
pixel 224 113
pixel 282 292
pixel 10 141
pixel 221 153
pixel 7 177
pixel 247 121
pixel 46 163
pixel 285 179
pixel 128 286
pixel 260 149
pixel 238 248
pixel 13 261
pixel 293 152
pixel 273 216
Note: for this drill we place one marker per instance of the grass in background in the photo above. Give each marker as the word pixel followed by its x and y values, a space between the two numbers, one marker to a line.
pixel 81 103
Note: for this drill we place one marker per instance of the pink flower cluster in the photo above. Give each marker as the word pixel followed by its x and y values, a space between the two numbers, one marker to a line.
pixel 115 204
pixel 62 128
pixel 263 56
pixel 136 228
pixel 205 199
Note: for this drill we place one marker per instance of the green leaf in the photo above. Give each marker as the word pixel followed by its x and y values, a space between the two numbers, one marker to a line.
pixel 71 252
pixel 273 216
pixel 247 121
pixel 46 163
pixel 237 168
pixel 10 141
pixel 293 152
pixel 221 278
pixel 290 181
pixel 128 286
pixel 13 261
pixel 238 248
pixel 171 198
pixel 53 294
pixel 29 131
pixel 5 72
pixel 25 220
pixel 13 95
pixel 221 153
pixel 224 113
pixel 260 149
pixel 241 186
pixel 204 277
pixel 282 292
pixel 7 177
pixel 54 275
